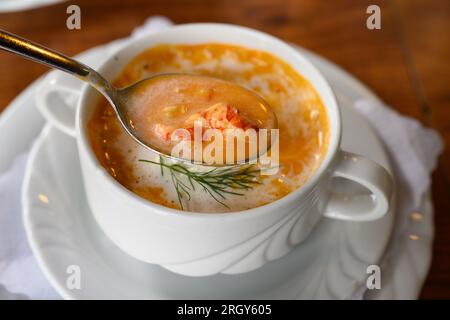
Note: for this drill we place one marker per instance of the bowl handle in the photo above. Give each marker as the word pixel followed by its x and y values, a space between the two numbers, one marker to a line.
pixel 56 98
pixel 365 206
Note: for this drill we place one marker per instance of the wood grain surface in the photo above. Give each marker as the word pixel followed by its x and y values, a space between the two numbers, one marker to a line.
pixel 406 63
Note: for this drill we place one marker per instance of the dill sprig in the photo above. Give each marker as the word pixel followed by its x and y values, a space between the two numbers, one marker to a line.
pixel 217 182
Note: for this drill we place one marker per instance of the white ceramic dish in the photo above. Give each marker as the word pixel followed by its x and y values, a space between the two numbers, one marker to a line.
pixel 121 269
pixel 199 244
pixel 331 264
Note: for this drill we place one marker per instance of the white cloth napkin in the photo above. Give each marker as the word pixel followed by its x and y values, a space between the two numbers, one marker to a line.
pixel 409 144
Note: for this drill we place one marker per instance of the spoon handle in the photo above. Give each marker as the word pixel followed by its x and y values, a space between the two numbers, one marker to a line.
pixel 49 57
pixel 36 52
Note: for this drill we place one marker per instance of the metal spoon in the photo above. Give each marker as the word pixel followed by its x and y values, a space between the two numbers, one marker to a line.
pixel 118 98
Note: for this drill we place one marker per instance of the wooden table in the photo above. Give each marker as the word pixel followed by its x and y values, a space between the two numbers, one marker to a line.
pixel 405 63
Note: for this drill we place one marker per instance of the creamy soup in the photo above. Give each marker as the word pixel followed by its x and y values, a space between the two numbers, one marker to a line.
pixel 302 121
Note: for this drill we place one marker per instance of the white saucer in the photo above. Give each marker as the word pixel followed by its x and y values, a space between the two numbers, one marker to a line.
pixel 331 264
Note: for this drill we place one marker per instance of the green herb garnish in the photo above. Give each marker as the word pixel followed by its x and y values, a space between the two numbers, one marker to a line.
pixel 217 182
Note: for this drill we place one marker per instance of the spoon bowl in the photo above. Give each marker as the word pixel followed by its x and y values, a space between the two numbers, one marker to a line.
pixel 171 101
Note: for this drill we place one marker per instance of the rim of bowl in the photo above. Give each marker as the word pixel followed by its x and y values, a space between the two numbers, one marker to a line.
pixel 333 146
